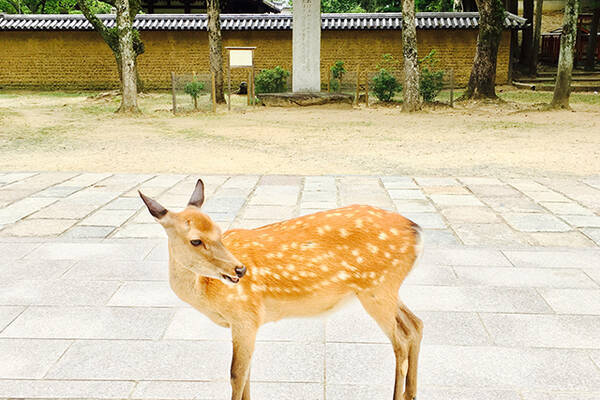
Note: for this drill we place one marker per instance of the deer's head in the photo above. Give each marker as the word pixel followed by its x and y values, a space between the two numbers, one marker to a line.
pixel 195 240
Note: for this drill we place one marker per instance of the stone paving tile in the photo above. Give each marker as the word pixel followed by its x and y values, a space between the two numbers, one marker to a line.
pixel 526 185
pixel 141 231
pixel 573 301
pixel 86 179
pixel 559 396
pixel 108 218
pixel 467 394
pixel 424 274
pixel 403 206
pixel 22 208
pixel 531 222
pixel 506 368
pixel 88 232
pixel 547 196
pixel 523 277
pixel 280 180
pixel 32 389
pixel 146 294
pixel 56 292
pixel 269 212
pixel 445 190
pixel 426 220
pixel 480 181
pixel 354 363
pixel 406 194
pixel 15 251
pixel 594 274
pixel 489 235
pixel 557 331
pixel 439 237
pixel 87 250
pixel 58 191
pixel 593 234
pixel 64 209
pixel 99 270
pixel 11 177
pixel 566 208
pixel 474 299
pixel 124 203
pixel 7 314
pixel 89 323
pixel 494 191
pixel 34 269
pixel 553 258
pixel 474 215
pixel 39 227
pixel 398 182
pixel 585 221
pixel 275 195
pixel 25 358
pixel 92 196
pixel 512 204
pixel 465 256
pixel 449 200
pixel 434 181
pixel 560 239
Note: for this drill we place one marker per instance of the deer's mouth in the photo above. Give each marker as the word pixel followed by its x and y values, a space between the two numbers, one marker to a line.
pixel 230 278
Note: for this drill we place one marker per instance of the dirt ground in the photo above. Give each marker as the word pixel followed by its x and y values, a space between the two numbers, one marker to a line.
pixel 79 132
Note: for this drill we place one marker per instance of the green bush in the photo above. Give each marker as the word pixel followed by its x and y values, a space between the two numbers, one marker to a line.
pixel 271 80
pixel 431 82
pixel 194 88
pixel 384 83
pixel 337 74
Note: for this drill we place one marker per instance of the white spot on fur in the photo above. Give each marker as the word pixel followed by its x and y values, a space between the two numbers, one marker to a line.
pixel 344 233
pixel 343 275
pixel 358 223
pixel 383 236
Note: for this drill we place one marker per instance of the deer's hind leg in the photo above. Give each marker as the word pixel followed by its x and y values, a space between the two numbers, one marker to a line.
pixel 410 323
pixel 382 305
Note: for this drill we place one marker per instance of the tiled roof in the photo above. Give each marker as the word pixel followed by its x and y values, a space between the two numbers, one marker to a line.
pixel 233 22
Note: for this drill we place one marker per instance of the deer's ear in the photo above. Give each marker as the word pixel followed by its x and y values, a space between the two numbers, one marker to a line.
pixel 154 207
pixel 197 198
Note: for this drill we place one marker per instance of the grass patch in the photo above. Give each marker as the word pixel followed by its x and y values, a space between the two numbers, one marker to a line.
pixel 28 138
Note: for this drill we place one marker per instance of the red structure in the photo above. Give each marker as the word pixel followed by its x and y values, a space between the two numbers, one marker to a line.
pixel 551 42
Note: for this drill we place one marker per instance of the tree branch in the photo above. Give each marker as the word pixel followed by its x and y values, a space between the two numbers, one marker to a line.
pixel 94 20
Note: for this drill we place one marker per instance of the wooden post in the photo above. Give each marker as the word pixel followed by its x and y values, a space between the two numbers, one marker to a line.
pixel 248 89
pixel 213 93
pixel 367 89
pixel 357 84
pixel 451 87
pixel 229 86
pixel 173 92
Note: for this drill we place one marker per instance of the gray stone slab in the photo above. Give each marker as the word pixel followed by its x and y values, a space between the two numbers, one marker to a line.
pixel 8 314
pixel 56 292
pixel 221 204
pixel 56 389
pixel 560 239
pixel 432 393
pixel 280 180
pixel 559 396
pixel 360 363
pixel 320 205
pixel 464 256
pixel 493 235
pixel 473 299
pixel 359 392
pixel 594 274
pixel 146 294
pixel 39 227
pixel 269 212
pixel 86 179
pixel 398 182
pixel 593 234
pixel 445 190
pixel 26 358
pixel 519 204
pixel 570 208
pixel 546 195
pixel 275 195
pixel 533 222
pixel 473 215
pixel 439 237
pixel 406 194
pixel 573 301
pixel 494 191
pixel 93 196
pixel 159 253
pixel 318 196
pixel 10 177
pixel 554 258
pixel 124 203
pixel 15 251
pixel 582 221
pixel 450 200
pixel 475 180
pixel 82 251
pixel 90 323
pixel 88 232
pixel 557 331
pixel 241 181
pixel 108 218
pixel 58 191
pixel 65 210
pixel 403 206
pixel 426 274
pixel 426 220
pixel 523 277
pixel 132 230
pixel 119 271
pixel 507 368
pixel 436 181
pixel 34 269
pixel 23 208
pixel 526 185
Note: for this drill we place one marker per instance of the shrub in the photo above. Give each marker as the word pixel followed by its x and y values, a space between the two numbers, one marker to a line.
pixel 431 82
pixel 385 85
pixel 271 80
pixel 194 88
pixel 337 74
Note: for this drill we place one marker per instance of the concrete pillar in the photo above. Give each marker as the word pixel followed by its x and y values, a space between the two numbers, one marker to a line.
pixel 306 46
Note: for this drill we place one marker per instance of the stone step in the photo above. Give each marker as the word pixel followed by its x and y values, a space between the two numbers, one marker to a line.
pixel 549 86
pixel 575 78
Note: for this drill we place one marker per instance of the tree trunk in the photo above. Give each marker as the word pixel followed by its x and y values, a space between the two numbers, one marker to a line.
pixel 215 44
pixel 527 38
pixel 562 88
pixel 482 82
pixel 128 70
pixel 512 6
pixel 537 33
pixel 412 98
pixel 590 60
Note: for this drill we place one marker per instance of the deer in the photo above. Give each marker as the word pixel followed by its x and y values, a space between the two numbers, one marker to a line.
pixel 302 267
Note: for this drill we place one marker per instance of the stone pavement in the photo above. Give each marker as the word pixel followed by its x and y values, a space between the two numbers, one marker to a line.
pixel 509 289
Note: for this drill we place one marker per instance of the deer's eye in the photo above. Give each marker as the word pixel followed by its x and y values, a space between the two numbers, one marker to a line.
pixel 196 242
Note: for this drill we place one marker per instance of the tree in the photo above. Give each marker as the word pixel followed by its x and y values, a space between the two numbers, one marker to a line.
pixel 125 44
pixel 482 82
pixel 590 59
pixel 562 88
pixel 411 96
pixel 215 44
pixel 49 6
pixel 527 39
pixel 537 33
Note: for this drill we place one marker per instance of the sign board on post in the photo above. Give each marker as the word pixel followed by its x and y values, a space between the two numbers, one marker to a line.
pixel 241 57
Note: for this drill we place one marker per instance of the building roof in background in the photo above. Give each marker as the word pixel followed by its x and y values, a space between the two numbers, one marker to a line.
pixel 239 22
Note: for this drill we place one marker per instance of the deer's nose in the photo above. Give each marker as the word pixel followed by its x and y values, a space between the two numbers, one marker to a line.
pixel 240 271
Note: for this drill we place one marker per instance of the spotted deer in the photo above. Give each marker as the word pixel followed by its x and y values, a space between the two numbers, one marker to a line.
pixel 305 266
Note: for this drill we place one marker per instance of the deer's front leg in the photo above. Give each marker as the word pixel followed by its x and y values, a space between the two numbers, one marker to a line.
pixel 243 338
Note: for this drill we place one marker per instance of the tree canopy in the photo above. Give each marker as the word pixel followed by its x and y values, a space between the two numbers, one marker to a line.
pixel 50 7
